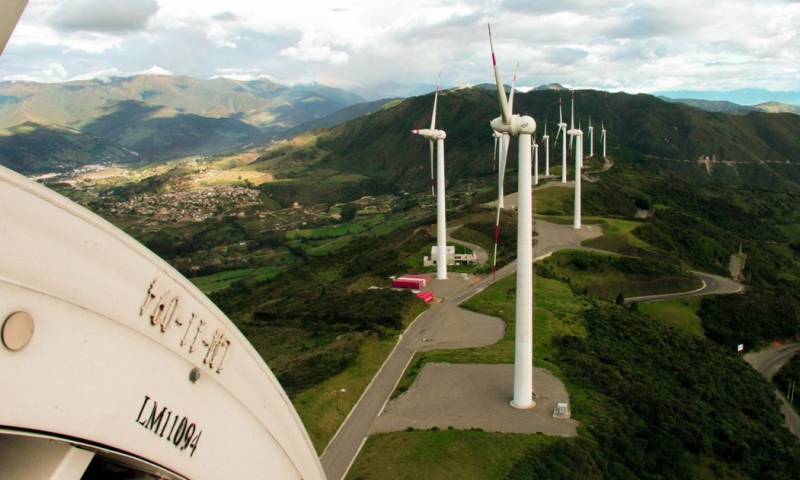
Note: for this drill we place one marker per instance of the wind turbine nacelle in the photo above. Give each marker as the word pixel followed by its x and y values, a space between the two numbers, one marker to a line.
pixel 575 132
pixel 431 134
pixel 517 125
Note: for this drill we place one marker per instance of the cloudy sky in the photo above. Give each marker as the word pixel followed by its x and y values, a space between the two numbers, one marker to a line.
pixel 627 45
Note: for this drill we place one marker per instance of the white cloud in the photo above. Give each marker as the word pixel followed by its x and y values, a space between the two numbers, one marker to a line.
pixel 646 45
pixel 313 47
pixel 52 72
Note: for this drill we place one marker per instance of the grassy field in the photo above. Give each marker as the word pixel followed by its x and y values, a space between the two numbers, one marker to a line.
pixel 223 280
pixel 554 201
pixel 317 406
pixel 444 454
pixel 681 314
pixel 558 312
pixel 606 276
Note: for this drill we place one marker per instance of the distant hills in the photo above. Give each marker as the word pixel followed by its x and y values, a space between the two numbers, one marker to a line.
pixel 742 96
pixel 758 148
pixel 724 106
pixel 260 103
pixel 147 118
pixel 150 118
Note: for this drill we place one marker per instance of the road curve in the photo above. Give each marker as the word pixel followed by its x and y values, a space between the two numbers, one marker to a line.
pixel 712 285
pixel 767 362
pixel 426 333
pixel 480 252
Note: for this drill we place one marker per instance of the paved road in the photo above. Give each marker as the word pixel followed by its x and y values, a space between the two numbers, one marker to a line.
pixel 480 252
pixel 712 285
pixel 443 326
pixel 767 362
pixel 510 200
pixel 431 332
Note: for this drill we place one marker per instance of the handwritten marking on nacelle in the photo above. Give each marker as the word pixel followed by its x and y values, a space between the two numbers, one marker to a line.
pixel 163 309
pixel 181 433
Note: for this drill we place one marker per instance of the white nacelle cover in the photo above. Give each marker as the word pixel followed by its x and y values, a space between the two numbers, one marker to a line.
pixel 117 334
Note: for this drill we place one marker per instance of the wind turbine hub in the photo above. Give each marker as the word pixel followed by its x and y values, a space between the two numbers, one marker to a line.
pixel 517 125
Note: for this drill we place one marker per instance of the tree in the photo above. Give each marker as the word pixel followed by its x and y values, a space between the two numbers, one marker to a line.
pixel 620 299
pixel 349 211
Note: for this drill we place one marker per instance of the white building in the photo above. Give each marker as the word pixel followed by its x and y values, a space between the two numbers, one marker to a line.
pixel 453 258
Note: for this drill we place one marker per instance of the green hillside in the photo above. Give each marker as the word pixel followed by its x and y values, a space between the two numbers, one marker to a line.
pixel 33 148
pixel 757 148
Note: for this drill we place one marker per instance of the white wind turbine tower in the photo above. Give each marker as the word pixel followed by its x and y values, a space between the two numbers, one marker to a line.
pixel 438 136
pixel 546 140
pixel 603 138
pixel 577 135
pixel 562 129
pixel 535 148
pixel 591 138
pixel 522 127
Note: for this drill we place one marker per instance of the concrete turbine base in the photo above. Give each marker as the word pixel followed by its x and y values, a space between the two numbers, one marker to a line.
pixel 523 407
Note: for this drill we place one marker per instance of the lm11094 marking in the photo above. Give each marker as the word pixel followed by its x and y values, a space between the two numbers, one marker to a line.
pixel 182 433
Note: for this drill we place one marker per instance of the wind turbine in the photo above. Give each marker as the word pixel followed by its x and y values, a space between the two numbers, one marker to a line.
pixel 546 140
pixel 603 137
pixel 591 138
pixel 577 135
pixel 562 129
pixel 438 136
pixel 522 127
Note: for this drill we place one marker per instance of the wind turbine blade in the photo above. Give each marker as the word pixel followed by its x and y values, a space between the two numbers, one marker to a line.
pixel 494 155
pixel 433 190
pixel 501 94
pixel 560 115
pixel 511 93
pixel 435 101
pixel 496 242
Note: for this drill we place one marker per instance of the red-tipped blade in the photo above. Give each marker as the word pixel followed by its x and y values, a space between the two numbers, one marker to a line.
pixel 501 94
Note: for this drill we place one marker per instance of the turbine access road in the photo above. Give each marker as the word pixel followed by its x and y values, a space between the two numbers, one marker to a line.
pixel 444 325
pixel 712 285
pixel 767 362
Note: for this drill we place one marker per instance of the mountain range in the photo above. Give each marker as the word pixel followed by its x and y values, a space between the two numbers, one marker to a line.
pixel 147 118
pixel 758 148
pixel 724 106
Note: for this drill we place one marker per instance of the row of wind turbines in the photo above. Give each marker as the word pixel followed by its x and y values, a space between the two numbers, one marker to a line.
pixel 504 127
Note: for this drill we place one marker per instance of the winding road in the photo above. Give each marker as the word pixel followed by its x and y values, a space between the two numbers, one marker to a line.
pixel 446 326
pixel 712 285
pixel 443 326
pixel 767 362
